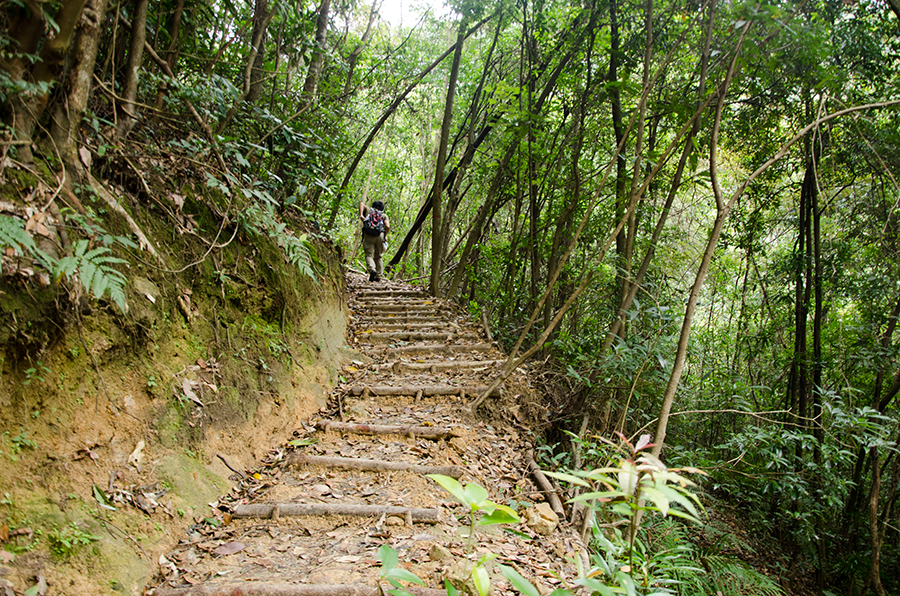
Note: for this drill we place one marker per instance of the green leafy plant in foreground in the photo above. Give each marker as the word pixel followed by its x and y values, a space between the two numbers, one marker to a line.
pixel 393 574
pixel 475 497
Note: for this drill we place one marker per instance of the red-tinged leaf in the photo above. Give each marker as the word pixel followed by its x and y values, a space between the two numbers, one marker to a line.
pixel 643 442
pixel 230 548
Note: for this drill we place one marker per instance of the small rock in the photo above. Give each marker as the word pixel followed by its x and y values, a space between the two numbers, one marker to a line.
pixel 394 521
pixel 439 553
pixel 541 518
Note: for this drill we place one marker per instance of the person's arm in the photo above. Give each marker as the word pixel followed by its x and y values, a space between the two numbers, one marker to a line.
pixel 387 225
pixel 362 209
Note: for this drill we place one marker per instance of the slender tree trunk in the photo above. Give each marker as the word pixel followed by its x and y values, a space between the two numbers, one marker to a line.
pixel 363 42
pixel 128 109
pixel 315 66
pixel 171 52
pixel 437 242
pixel 261 21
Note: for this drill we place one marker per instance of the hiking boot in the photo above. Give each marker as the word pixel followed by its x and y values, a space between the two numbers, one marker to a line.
pixel 377 277
pixel 373 276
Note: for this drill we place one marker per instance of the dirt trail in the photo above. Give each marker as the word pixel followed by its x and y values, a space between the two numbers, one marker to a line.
pixel 311 519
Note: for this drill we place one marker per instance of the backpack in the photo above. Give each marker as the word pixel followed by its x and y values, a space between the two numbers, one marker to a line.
pixel 373 224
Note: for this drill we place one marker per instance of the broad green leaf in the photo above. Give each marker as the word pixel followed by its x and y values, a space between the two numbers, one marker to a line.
pixel 518 581
pixel 658 498
pixel 476 495
pixel 388 558
pixel 482 580
pixel 451 486
pixel 568 478
pixel 501 515
pixel 403 575
pixel 602 496
pixel 595 586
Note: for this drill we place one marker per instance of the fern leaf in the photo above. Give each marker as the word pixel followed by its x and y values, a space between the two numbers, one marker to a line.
pixel 15 236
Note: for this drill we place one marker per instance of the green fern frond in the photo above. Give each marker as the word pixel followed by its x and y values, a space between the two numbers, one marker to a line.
pixel 13 235
pixel 733 577
pixel 93 271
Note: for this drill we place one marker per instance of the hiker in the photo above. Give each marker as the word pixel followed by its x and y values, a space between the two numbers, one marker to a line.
pixel 375 227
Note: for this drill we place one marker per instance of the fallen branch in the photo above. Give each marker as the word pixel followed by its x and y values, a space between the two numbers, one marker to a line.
pixel 431 516
pixel 114 204
pixel 372 465
pixel 421 432
pixel 545 485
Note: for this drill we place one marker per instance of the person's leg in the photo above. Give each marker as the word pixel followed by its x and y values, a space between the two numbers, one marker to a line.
pixel 369 247
pixel 379 250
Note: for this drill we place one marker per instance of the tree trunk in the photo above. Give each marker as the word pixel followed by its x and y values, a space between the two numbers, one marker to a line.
pixel 171 52
pixel 363 42
pixel 128 109
pixel 437 191
pixel 28 108
pixel 67 115
pixel 318 61
pixel 261 21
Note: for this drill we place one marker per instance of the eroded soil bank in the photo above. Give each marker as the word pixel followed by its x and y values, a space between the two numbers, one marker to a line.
pixel 116 426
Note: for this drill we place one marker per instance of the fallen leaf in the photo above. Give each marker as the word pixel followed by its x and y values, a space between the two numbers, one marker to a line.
pixel 85 154
pixel 187 387
pixel 230 548
pixel 4 532
pixel 6 557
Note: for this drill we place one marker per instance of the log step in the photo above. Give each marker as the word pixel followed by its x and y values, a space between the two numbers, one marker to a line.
pixel 286 589
pixel 426 391
pixel 420 432
pixel 371 465
pixel 399 366
pixel 431 516
pixel 441 348
pixel 400 318
pixel 402 308
pixel 386 336
pixel 390 293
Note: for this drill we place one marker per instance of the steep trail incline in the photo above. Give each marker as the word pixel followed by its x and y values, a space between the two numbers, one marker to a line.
pixel 311 520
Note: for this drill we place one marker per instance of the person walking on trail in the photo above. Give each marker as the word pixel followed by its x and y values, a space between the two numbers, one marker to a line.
pixel 375 227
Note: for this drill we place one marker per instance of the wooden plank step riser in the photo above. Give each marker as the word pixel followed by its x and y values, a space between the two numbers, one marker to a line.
pixel 387 337
pixel 437 365
pixel 268 510
pixel 425 391
pixel 420 432
pixel 273 589
pixel 415 309
pixel 371 465
pixel 441 349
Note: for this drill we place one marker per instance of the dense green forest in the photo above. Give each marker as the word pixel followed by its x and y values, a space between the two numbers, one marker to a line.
pixel 685 213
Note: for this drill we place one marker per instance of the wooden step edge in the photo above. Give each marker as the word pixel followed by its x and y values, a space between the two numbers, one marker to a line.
pixel 436 365
pixel 442 348
pixel 371 465
pixel 252 588
pixel 426 390
pixel 269 510
pixel 420 432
